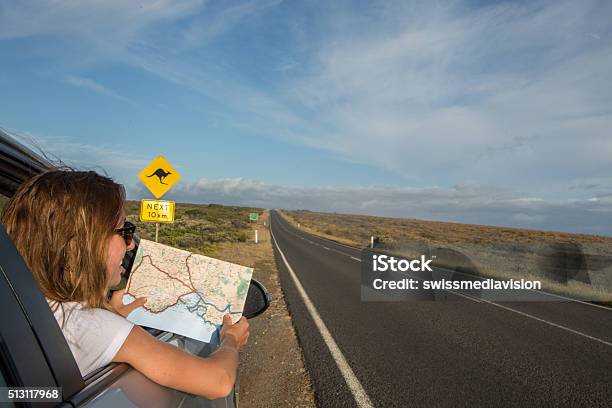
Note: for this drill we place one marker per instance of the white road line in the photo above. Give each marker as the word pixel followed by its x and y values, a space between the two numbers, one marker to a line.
pixel 472 298
pixel 355 259
pixel 361 398
pixel 479 300
pixel 607 343
pixel 324 247
pixel 540 291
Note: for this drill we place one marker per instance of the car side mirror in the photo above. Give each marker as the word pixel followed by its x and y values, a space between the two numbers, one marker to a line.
pixel 257 300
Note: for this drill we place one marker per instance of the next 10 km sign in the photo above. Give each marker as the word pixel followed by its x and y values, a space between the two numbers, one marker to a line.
pixel 157 211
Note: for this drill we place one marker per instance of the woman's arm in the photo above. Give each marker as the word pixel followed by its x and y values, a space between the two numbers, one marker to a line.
pixel 172 367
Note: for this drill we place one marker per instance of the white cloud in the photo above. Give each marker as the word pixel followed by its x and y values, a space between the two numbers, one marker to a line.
pixel 463 203
pixel 95 87
pixel 208 26
pixel 514 94
pixel 467 202
pixel 523 218
pixel 106 159
pixel 111 22
pixel 509 94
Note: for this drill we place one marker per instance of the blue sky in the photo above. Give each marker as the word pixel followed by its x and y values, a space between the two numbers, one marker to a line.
pixel 483 112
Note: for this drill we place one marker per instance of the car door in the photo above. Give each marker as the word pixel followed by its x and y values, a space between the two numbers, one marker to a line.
pixel 33 352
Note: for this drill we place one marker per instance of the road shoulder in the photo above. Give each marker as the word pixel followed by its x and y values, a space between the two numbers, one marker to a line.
pixel 271 371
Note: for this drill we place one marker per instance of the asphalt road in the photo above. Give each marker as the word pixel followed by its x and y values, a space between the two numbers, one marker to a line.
pixel 463 353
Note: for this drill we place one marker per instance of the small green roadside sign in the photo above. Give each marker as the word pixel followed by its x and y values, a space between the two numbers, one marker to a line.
pixel 253 217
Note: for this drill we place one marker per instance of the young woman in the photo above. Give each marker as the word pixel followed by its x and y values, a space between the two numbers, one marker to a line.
pixel 70 228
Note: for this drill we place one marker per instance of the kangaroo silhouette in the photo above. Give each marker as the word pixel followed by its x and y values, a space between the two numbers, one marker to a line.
pixel 161 174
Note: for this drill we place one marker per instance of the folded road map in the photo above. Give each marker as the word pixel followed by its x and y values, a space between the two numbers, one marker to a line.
pixel 187 293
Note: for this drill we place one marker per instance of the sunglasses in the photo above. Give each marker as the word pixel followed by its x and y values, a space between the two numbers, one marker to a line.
pixel 127 232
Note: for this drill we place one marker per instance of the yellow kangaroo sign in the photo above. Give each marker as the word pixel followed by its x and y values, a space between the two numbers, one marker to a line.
pixel 159 176
pixel 157 211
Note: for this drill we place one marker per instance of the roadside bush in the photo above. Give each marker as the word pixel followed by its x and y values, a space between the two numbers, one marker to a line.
pixel 197 228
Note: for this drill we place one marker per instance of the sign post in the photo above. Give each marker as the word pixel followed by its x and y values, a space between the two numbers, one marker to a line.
pixel 159 176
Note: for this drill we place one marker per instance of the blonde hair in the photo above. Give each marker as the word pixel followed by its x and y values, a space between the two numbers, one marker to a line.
pixel 61 223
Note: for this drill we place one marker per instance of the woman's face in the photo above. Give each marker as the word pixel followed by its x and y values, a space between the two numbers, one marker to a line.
pixel 116 251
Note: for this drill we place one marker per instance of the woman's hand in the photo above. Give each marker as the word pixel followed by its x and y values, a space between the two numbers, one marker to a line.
pixel 238 332
pixel 124 310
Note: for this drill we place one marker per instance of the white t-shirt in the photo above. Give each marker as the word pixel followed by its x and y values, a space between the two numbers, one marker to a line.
pixel 94 335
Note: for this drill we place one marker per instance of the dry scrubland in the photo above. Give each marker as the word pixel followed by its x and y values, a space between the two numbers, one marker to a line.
pixel 576 265
pixel 271 372
pixel 197 228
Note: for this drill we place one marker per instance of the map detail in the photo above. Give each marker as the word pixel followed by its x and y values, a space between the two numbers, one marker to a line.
pixel 187 293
